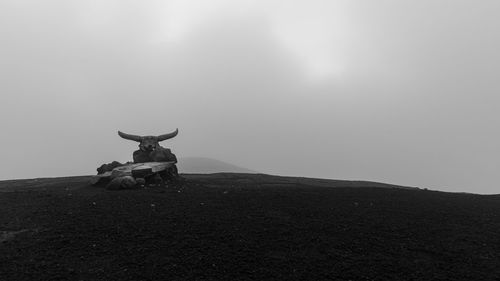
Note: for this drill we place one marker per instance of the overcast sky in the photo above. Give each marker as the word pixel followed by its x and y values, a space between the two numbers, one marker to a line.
pixel 403 92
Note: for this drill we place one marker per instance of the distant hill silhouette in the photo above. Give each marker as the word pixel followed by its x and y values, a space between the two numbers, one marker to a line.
pixel 202 165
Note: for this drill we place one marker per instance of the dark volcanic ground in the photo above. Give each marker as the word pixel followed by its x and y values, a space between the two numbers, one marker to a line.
pixel 245 227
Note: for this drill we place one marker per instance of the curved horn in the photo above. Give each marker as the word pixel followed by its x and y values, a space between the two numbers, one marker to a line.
pixel 130 137
pixel 168 136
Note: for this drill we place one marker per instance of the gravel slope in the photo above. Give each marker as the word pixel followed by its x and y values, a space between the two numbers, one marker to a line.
pixel 245 227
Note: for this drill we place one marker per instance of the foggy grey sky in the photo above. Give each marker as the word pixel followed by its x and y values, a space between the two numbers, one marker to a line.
pixel 402 92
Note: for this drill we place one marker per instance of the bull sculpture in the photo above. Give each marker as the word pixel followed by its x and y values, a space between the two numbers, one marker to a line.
pixel 150 149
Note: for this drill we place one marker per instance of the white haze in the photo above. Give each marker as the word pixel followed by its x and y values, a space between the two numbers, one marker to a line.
pixel 403 92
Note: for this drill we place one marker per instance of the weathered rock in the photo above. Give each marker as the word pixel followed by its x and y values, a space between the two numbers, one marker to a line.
pixel 141 156
pixel 141 182
pixel 121 172
pixel 160 154
pixel 100 178
pixel 157 179
pixel 126 182
pixel 108 167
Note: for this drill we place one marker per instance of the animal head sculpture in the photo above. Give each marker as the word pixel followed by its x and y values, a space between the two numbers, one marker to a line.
pixel 149 143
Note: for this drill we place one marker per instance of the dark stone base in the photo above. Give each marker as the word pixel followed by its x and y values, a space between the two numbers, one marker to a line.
pixel 158 155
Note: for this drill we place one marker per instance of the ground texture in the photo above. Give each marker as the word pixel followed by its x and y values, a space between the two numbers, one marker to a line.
pixel 245 227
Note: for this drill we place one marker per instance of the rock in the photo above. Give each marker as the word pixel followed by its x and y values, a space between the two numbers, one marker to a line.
pixel 126 182
pixel 141 156
pixel 162 154
pixel 108 167
pixel 140 182
pixel 100 178
pixel 158 180
pixel 122 172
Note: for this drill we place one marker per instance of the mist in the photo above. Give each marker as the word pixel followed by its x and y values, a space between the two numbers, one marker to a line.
pixel 403 92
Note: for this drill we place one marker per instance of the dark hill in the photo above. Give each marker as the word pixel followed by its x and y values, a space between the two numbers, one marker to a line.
pixel 245 227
